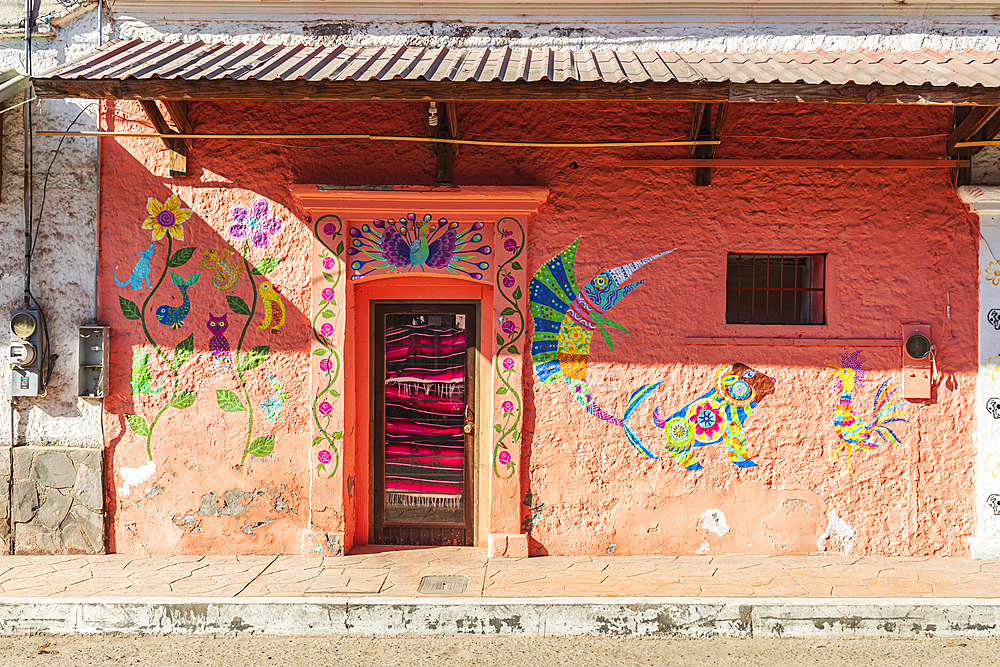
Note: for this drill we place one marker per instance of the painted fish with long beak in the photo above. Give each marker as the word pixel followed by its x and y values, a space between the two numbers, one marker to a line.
pixel 565 320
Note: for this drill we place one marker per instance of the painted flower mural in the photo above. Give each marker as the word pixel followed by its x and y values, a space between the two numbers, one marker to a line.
pixel 254 223
pixel 328 454
pixel 166 217
pixel 707 419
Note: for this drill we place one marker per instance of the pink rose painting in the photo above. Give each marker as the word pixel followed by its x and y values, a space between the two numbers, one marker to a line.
pixel 504 458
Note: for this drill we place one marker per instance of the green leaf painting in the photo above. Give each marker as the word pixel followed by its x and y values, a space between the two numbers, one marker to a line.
pixel 265 266
pixel 184 399
pixel 261 446
pixel 228 401
pixel 180 257
pixel 137 424
pixel 253 358
pixel 183 351
pixel 129 309
pixel 238 305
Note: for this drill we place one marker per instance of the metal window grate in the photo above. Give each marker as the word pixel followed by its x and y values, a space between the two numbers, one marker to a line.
pixel 775 289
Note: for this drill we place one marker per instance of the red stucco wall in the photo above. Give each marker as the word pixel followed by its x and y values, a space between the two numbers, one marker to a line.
pixel 900 245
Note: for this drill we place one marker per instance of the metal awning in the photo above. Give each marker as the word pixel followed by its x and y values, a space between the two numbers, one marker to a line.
pixel 136 69
pixel 12 83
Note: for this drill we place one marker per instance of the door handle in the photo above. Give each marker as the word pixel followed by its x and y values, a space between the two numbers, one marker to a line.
pixel 470 421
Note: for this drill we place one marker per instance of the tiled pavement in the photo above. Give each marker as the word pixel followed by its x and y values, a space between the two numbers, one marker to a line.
pixel 399 573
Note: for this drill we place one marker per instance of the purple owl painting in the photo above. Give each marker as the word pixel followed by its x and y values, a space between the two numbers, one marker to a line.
pixel 219 344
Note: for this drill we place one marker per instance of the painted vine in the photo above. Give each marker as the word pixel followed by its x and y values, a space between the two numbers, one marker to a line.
pixel 510 332
pixel 165 220
pixel 252 224
pixel 330 364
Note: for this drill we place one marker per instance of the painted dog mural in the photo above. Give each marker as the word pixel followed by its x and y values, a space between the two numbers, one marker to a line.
pixel 717 416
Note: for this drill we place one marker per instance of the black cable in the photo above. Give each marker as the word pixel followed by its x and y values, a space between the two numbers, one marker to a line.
pixel 45 182
pixel 47 360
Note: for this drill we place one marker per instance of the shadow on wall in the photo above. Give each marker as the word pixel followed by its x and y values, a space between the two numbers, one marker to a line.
pixel 205 296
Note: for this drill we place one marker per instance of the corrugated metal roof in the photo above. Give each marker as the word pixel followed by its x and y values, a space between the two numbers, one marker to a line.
pixel 198 61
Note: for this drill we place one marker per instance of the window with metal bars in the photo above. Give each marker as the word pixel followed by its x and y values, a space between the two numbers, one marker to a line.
pixel 775 289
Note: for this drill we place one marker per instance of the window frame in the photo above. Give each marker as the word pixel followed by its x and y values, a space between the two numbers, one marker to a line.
pixel 811 313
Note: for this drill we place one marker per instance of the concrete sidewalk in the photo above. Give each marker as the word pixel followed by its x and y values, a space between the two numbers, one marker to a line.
pixel 459 590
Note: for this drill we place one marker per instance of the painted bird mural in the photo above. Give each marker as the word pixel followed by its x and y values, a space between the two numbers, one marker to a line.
pixel 408 244
pixel 565 320
pixel 174 316
pixel 860 430
pixel 218 344
pixel 274 310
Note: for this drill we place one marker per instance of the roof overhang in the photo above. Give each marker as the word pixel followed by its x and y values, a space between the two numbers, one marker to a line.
pixel 140 70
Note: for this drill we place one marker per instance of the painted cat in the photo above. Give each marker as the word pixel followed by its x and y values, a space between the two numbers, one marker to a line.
pixel 140 272
pixel 142 380
pixel 174 316
pixel 228 268
pixel 272 404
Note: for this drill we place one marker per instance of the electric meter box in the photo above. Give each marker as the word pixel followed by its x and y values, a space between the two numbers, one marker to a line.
pixel 23 353
pixel 918 361
pixel 93 360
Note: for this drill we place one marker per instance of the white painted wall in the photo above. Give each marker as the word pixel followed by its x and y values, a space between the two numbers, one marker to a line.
pixel 63 265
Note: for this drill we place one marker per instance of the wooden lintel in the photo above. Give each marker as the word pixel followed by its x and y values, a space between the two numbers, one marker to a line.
pixel 177 147
pixel 967 128
pixel 522 91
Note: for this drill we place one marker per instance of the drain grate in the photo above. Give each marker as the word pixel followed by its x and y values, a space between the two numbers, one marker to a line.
pixel 443 585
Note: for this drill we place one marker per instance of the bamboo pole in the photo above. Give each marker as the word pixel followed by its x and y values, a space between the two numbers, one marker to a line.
pixel 378 137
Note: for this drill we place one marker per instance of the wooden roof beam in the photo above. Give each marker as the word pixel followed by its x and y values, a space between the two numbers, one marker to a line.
pixel 521 91
pixel 967 127
pixel 178 147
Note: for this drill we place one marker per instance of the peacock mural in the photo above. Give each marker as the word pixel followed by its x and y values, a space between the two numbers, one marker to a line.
pixel 408 244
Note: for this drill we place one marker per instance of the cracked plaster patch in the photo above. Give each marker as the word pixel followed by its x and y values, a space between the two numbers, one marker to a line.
pixel 714 521
pixel 839 532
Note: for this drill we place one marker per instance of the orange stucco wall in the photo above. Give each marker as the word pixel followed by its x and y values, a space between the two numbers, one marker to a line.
pixel 901 248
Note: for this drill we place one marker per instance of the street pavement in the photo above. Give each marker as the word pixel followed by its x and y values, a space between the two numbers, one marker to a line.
pixel 459 590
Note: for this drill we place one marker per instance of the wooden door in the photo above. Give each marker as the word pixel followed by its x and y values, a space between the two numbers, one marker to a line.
pixel 424 410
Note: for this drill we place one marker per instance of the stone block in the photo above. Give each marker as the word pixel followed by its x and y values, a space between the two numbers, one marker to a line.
pixel 73 540
pixel 54 509
pixel 25 501
pixel 22 462
pixel 4 462
pixel 32 540
pixel 54 470
pixel 88 488
pixel 507 546
pixel 88 457
pixel 92 524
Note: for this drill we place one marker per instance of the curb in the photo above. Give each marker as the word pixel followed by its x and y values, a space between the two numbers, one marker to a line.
pixel 627 617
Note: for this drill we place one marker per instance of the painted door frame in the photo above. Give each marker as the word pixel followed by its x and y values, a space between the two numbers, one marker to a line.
pixel 340 323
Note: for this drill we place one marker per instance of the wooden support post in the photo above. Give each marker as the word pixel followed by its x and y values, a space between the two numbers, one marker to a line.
pixel 442 123
pixel 178 147
pixel 704 129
